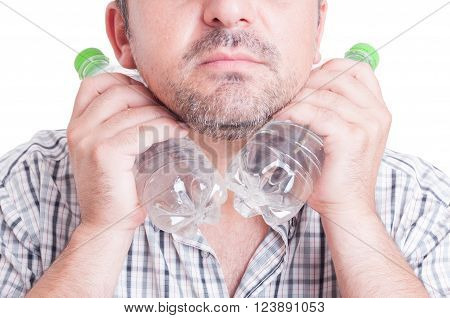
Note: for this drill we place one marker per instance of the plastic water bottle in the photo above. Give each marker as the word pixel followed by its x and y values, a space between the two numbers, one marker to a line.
pixel 274 173
pixel 176 182
pixel 180 186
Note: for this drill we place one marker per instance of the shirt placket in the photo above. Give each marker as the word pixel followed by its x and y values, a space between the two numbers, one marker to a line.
pixel 263 268
pixel 210 275
pixel 268 261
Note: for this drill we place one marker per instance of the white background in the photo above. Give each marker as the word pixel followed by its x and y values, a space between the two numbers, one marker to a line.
pixel 38 82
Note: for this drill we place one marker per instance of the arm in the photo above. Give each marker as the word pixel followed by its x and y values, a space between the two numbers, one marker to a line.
pixel 113 121
pixel 342 102
pixel 88 267
pixel 367 261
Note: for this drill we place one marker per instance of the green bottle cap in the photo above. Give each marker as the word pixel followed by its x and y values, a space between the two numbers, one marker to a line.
pixel 365 53
pixel 89 61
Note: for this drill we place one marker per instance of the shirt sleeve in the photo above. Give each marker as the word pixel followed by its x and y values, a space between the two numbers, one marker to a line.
pixel 421 224
pixel 431 259
pixel 19 258
pixel 30 239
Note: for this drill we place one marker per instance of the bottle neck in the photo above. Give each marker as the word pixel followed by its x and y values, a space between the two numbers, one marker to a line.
pixel 362 57
pixel 93 66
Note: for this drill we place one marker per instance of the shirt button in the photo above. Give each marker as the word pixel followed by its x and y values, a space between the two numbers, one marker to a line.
pixel 205 254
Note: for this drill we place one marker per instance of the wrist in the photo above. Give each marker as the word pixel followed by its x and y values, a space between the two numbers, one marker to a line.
pixel 355 216
pixel 108 236
pixel 349 209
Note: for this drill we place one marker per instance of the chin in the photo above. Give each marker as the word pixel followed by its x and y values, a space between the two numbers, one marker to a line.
pixel 230 107
pixel 228 132
pixel 227 121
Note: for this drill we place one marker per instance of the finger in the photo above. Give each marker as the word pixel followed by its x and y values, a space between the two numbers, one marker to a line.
pixel 322 121
pixel 130 118
pixel 344 85
pixel 360 70
pixel 114 100
pixel 94 86
pixel 335 102
pixel 135 140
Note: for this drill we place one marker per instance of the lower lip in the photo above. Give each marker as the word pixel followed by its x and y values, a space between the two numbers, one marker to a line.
pixel 230 64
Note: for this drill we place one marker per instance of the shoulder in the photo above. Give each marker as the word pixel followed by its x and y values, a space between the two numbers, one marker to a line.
pixel 35 181
pixel 417 173
pixel 413 200
pixel 44 146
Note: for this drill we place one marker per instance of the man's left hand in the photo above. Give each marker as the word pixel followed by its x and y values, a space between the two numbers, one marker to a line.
pixel 342 102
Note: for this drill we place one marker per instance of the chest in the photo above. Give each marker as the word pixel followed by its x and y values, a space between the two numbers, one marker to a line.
pixel 159 266
pixel 234 248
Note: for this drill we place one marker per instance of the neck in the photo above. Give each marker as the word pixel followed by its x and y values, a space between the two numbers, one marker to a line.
pixel 219 152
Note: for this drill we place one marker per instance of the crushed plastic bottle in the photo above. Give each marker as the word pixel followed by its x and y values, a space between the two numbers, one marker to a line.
pixel 273 175
pixel 179 186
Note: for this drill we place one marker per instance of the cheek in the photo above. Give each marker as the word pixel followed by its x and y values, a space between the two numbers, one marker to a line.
pixel 297 47
pixel 156 37
pixel 157 54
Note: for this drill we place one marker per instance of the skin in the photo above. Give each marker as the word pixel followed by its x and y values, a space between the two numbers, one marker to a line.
pixel 347 111
pixel 222 104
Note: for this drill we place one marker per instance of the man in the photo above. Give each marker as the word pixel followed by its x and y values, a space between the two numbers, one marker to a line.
pixel 376 225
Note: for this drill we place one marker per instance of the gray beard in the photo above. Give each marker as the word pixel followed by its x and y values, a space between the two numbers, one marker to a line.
pixel 232 111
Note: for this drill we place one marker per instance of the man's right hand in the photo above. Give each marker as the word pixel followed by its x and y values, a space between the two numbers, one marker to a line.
pixel 114 119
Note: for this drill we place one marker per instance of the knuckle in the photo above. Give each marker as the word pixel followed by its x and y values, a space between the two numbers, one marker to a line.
pixel 347 78
pixel 387 117
pixel 87 82
pixel 143 130
pixel 321 94
pixel 115 89
pixel 306 107
pixel 161 112
pixel 373 127
pixel 332 64
pixel 360 136
pixel 100 151
pixel 72 136
pixel 83 146
pixel 363 67
pixel 327 96
pixel 125 115
pixel 326 114
pixel 304 94
pixel 133 135
pixel 150 113
pixel 164 122
pixel 70 132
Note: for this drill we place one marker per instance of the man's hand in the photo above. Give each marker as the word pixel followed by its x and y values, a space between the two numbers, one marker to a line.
pixel 114 119
pixel 344 105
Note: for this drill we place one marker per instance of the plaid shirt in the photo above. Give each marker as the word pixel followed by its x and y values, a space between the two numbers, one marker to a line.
pixel 39 211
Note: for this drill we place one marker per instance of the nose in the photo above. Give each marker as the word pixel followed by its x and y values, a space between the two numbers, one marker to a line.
pixel 228 13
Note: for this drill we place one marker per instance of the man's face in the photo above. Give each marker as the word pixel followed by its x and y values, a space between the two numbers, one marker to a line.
pixel 271 44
